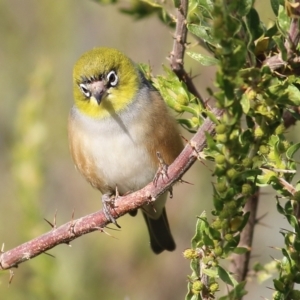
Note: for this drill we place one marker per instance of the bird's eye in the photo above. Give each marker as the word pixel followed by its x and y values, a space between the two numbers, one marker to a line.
pixel 112 78
pixel 85 91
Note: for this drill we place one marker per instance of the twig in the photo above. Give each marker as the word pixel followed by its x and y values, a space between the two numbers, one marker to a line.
pixel 276 62
pixel 240 262
pixel 177 54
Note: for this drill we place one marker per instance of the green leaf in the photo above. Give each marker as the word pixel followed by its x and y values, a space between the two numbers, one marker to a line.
pixel 226 277
pixel 207 7
pixel 275 6
pixel 217 200
pixel 232 244
pixel 253 24
pixel 152 3
pixel 201 226
pixel 245 103
pixel 244 7
pixel 192 296
pixel 206 239
pixel 211 144
pixel 280 44
pixel 215 234
pixel 204 60
pixel 292 150
pixel 240 250
pixel 212 116
pixel 286 262
pixel 279 286
pixel 203 32
pixel 283 21
pixel 280 209
pixel 294 222
pixel 289 209
pixel 237 292
pixel 211 272
pixel 176 3
pixel 293 95
pixel 245 221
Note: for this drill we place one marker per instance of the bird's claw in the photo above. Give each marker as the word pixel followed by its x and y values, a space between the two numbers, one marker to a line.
pixel 108 202
pixel 162 169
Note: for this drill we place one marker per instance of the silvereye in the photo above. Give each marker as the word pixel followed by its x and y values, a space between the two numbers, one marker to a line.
pixel 116 127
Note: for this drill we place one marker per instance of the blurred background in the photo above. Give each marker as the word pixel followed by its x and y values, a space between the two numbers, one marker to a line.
pixel 40 42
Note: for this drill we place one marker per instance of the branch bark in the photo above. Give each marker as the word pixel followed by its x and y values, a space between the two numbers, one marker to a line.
pixel 276 62
pixel 179 45
pixel 240 262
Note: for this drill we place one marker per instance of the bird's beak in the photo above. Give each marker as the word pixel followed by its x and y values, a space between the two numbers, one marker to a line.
pixel 98 90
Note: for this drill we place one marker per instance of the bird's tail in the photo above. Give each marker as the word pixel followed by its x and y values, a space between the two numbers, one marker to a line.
pixel 160 234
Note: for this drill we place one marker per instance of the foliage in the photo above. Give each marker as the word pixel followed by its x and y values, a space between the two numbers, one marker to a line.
pixel 250 148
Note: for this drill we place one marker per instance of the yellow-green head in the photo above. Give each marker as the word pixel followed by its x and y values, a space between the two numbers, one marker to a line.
pixel 105 82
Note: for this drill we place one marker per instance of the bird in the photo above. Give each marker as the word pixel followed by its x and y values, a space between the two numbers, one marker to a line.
pixel 117 126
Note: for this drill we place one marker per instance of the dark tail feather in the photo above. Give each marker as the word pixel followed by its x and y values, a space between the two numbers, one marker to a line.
pixel 160 235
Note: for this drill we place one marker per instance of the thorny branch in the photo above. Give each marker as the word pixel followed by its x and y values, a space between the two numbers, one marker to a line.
pixel 176 61
pixel 179 45
pixel 276 62
pixel 75 228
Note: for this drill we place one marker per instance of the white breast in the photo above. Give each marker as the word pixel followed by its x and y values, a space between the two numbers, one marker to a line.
pixel 116 147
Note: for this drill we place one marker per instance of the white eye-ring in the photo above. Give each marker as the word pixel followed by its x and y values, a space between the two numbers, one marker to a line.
pixel 112 78
pixel 85 91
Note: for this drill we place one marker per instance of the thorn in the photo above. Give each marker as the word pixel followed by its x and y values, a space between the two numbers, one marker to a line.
pixel 286 230
pixel 116 229
pixel 196 152
pixel 186 140
pixel 49 254
pixel 99 228
pixel 54 219
pixel 52 225
pixel 153 207
pixel 178 39
pixel 257 221
pixel 11 276
pixel 102 230
pixel 184 181
pixel 72 224
pixel 171 192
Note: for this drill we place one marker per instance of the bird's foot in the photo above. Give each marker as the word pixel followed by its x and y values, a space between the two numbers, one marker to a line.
pixel 108 202
pixel 162 169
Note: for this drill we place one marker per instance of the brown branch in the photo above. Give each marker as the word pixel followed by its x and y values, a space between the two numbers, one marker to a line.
pixel 276 62
pixel 177 54
pixel 240 262
pixel 75 228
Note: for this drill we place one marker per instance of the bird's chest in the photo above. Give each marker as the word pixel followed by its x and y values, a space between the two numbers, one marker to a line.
pixel 117 155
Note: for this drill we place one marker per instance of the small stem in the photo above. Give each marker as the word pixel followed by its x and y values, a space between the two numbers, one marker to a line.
pixel 179 45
